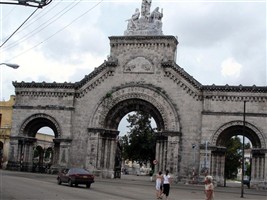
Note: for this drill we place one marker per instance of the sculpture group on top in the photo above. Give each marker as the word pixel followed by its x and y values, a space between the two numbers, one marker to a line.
pixel 146 24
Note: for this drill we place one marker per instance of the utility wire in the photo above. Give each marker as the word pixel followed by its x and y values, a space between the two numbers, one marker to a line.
pixel 59 30
pixel 18 28
pixel 38 16
pixel 46 24
pixel 2 19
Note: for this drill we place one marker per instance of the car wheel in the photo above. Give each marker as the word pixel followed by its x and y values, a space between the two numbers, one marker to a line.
pixel 70 183
pixel 76 185
pixel 88 185
pixel 59 181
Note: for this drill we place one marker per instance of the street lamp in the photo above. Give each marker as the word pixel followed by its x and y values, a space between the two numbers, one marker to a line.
pixel 31 3
pixel 14 66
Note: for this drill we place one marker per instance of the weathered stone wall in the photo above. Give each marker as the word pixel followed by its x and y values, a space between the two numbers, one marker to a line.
pixel 140 73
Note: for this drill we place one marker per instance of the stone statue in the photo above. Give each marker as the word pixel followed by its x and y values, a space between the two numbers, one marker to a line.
pixel 148 23
pixel 156 15
pixel 134 19
pixel 145 8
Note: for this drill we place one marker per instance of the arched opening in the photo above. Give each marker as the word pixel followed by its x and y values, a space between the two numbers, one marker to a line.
pixel 116 114
pixel 231 138
pixel 137 134
pixel 38 150
pixel 112 121
pixel 234 158
pixel 104 123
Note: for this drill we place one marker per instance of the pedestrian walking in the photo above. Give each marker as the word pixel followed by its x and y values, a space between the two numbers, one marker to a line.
pixel 159 181
pixel 166 184
pixel 209 188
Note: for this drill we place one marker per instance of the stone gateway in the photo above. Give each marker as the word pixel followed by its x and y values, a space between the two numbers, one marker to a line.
pixel 194 121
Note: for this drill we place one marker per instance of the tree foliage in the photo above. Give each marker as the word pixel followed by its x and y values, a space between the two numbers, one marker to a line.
pixel 233 160
pixel 140 142
pixel 233 157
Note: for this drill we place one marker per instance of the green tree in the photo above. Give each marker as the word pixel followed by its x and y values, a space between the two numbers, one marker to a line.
pixel 140 142
pixel 233 157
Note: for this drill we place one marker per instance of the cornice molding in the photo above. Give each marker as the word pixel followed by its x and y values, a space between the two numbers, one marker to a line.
pixel 47 107
pixel 140 39
pixel 229 88
pixel 236 98
pixel 33 84
pixel 234 114
pixel 110 64
pixel 170 66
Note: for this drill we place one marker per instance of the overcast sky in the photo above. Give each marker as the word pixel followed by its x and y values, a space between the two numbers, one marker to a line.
pixel 220 42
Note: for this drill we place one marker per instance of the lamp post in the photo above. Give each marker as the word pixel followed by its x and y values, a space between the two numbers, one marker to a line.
pixel 243 151
pixel 194 146
pixel 14 66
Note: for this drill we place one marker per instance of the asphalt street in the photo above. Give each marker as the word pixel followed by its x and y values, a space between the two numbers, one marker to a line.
pixel 32 186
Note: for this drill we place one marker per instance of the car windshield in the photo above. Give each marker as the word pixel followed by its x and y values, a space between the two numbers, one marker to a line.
pixel 78 171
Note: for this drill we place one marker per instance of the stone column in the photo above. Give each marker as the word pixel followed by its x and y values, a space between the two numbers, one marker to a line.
pixel 161 152
pixel 110 137
pixel 265 166
pixel 259 166
pixel 217 164
pixel 172 162
pixel 64 151
pixel 157 156
pixel 94 149
pixel 253 168
pixel 55 158
pixel 101 150
pixel 14 154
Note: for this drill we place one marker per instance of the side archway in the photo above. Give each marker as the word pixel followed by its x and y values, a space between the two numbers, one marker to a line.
pixel 218 149
pixel 228 130
pixel 33 123
pixel 28 142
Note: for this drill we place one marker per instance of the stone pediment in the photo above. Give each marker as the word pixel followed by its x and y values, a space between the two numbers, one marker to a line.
pixel 139 65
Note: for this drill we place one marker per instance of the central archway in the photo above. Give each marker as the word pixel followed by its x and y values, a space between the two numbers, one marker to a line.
pixel 115 115
pixel 120 101
pixel 122 98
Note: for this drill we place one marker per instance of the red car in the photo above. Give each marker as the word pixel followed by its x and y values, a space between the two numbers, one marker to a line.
pixel 75 176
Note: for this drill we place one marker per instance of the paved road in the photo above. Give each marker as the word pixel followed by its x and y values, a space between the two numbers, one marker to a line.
pixel 31 186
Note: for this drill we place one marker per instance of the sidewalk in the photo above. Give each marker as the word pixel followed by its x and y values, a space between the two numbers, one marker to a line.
pixel 196 192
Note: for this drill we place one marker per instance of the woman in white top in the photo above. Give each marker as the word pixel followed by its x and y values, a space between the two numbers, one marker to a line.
pixel 166 184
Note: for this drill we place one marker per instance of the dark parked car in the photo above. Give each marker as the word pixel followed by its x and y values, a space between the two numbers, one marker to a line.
pixel 75 176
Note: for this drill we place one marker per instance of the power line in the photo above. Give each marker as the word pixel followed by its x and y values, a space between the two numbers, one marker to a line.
pixel 18 28
pixel 38 16
pixel 7 14
pixel 64 27
pixel 46 24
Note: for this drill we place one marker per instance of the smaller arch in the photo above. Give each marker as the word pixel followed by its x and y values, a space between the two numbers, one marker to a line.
pixel 33 123
pixel 229 129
